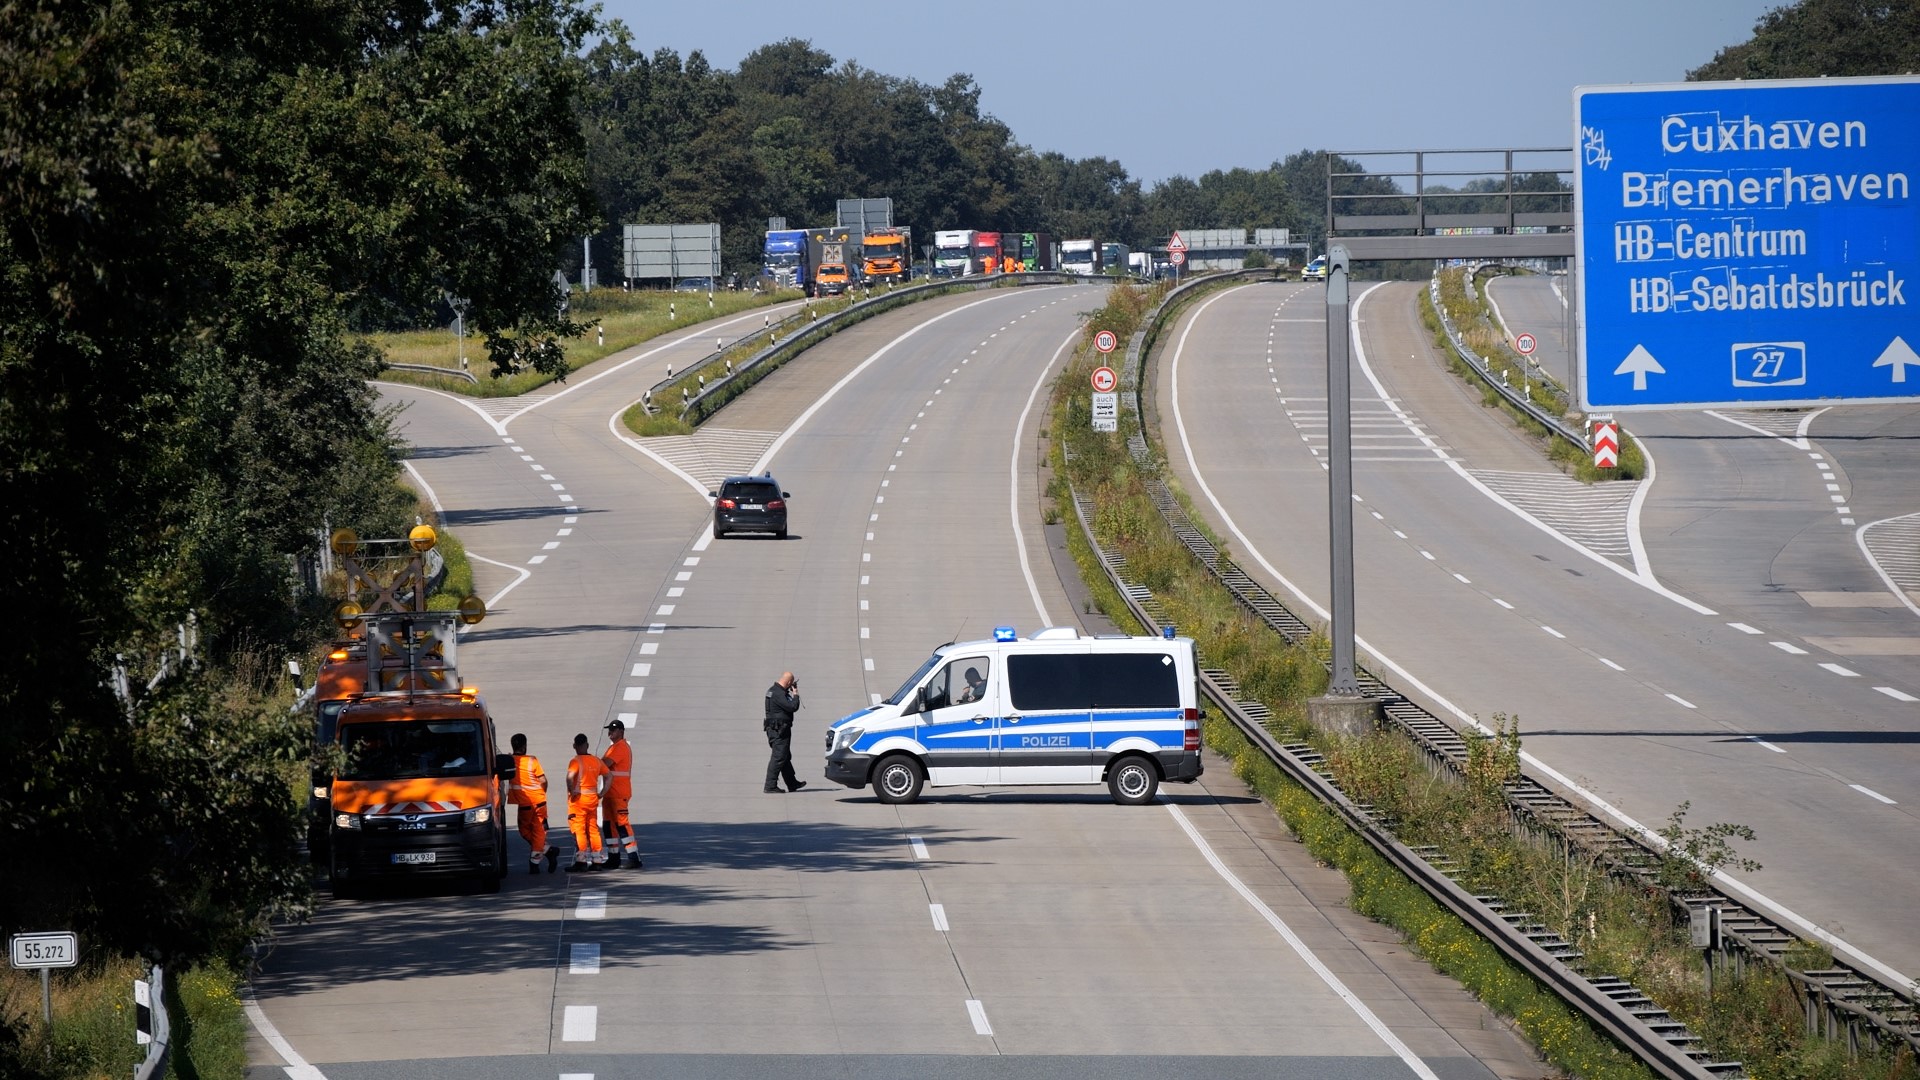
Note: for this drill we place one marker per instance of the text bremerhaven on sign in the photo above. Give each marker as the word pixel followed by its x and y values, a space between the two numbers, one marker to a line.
pixel 1748 243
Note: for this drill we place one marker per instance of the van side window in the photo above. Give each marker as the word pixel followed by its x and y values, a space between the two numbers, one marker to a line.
pixel 1100 680
pixel 960 682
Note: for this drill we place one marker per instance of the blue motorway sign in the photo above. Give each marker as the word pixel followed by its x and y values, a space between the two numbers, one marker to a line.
pixel 1748 243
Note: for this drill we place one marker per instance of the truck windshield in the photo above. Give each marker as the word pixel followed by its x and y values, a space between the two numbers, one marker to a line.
pixel 411 749
pixel 783 259
pixel 913 680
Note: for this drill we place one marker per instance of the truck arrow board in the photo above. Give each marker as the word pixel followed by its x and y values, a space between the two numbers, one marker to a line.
pixel 1639 364
pixel 1898 356
pixel 1758 238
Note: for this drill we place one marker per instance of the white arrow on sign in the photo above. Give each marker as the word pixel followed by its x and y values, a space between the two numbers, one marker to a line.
pixel 1898 355
pixel 1640 363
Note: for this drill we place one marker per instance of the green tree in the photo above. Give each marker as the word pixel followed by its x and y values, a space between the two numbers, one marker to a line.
pixel 1823 37
pixel 191 220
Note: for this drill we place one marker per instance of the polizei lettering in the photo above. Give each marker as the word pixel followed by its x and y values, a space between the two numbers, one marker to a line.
pixel 1045 740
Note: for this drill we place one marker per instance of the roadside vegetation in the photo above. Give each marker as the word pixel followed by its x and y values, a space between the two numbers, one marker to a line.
pixel 1626 925
pixel 627 319
pixel 1473 317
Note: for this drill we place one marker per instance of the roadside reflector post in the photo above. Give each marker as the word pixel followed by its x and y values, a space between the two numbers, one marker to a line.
pixel 1343 708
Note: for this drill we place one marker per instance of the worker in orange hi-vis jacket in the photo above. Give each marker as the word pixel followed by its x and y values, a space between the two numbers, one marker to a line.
pixel 586 777
pixel 529 794
pixel 617 828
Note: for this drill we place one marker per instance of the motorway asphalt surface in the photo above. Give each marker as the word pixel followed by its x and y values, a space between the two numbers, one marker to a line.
pixel 979 933
pixel 1724 639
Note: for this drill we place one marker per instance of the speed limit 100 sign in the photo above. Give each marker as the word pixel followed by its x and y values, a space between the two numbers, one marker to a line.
pixel 1105 341
pixel 1104 380
pixel 1525 344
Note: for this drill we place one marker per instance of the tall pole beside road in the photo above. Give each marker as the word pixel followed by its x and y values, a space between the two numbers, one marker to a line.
pixel 1343 708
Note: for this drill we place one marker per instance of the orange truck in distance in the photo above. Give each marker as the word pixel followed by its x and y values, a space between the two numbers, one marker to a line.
pixel 887 255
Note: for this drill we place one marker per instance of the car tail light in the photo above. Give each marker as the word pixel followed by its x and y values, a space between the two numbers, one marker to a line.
pixel 726 504
pixel 1192 741
pixel 776 504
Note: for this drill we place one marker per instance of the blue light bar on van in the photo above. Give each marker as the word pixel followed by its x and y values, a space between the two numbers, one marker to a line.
pixel 1167 631
pixel 1004 633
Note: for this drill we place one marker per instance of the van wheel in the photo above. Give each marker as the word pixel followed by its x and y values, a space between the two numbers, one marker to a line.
pixel 898 779
pixel 1133 781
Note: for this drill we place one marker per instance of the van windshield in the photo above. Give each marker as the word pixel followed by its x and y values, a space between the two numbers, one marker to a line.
pixel 411 749
pixel 913 680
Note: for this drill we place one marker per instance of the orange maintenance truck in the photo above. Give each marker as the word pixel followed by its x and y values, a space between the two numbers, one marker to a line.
pixel 420 788
pixel 886 255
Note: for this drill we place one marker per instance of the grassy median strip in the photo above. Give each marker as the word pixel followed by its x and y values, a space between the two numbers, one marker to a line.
pixel 1474 320
pixel 1625 926
pixel 627 318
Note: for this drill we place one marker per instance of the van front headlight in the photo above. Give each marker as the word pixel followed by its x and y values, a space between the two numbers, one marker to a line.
pixel 346 821
pixel 841 738
pixel 479 815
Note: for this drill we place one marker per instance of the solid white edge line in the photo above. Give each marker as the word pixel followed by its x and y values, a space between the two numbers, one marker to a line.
pixel 297 1067
pixel 521 570
pixel 1013 480
pixel 1299 947
pixel 1870 793
pixel 1566 783
pixel 1860 538
pixel 1635 575
pixel 700 329
pixel 432 498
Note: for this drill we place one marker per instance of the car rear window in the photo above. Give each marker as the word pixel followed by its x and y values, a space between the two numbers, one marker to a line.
pixel 753 492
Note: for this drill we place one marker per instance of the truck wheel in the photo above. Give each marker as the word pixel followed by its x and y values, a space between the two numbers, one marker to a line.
pixel 1133 781
pixel 342 888
pixel 898 779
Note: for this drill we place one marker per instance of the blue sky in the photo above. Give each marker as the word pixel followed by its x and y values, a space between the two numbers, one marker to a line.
pixel 1170 89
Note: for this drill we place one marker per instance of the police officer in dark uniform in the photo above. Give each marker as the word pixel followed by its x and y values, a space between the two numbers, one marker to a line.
pixel 783 700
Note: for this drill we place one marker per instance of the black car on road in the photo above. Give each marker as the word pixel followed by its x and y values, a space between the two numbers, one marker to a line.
pixel 749 504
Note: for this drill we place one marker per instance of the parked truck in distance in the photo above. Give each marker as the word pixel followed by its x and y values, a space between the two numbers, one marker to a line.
pixel 887 256
pixel 1080 257
pixel 1038 251
pixel 952 252
pixel 784 258
pixel 1113 257
pixel 986 253
pixel 831 252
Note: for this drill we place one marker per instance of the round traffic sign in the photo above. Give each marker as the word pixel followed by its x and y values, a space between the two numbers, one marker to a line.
pixel 1525 344
pixel 1104 380
pixel 1105 341
pixel 1176 257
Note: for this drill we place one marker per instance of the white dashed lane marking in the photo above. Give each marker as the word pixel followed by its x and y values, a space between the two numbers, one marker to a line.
pixel 591 904
pixel 1872 794
pixel 580 1023
pixel 939 916
pixel 919 847
pixel 583 959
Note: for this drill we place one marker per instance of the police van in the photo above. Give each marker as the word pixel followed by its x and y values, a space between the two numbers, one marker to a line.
pixel 1055 708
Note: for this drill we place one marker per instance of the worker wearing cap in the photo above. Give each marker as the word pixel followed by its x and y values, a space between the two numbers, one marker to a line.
pixel 617 829
pixel 586 776
pixel 529 794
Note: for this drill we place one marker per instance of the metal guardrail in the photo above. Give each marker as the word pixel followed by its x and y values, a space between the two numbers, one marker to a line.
pixel 1651 1035
pixel 1838 996
pixel 721 390
pixel 430 369
pixel 1555 424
